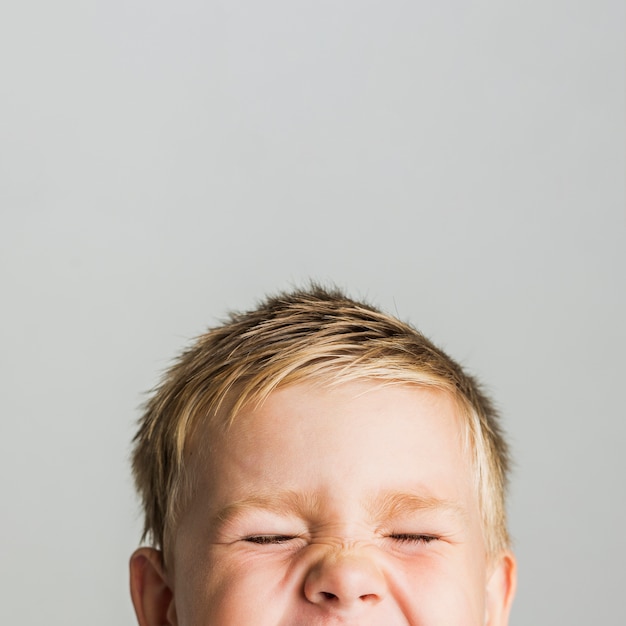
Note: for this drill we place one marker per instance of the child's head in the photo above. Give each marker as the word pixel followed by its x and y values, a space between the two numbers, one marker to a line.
pixel 315 461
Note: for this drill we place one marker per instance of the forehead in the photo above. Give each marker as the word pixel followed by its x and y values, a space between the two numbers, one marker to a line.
pixel 370 435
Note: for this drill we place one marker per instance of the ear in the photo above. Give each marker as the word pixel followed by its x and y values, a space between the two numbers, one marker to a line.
pixel 501 589
pixel 152 596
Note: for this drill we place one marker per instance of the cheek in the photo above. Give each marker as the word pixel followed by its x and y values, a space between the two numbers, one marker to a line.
pixel 438 591
pixel 219 590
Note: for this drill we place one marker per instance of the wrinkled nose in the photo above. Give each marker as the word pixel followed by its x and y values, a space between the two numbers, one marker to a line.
pixel 344 581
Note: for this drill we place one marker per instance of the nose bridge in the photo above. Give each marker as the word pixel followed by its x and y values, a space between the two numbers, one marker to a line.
pixel 345 576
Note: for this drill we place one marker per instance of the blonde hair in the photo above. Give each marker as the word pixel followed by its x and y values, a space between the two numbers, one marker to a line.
pixel 316 335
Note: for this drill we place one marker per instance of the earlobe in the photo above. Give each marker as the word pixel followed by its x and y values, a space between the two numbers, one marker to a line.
pixel 501 590
pixel 152 596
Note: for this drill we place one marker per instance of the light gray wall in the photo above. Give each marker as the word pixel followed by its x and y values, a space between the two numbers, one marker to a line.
pixel 458 163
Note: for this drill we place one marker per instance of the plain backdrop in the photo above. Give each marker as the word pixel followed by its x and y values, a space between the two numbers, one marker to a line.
pixel 460 164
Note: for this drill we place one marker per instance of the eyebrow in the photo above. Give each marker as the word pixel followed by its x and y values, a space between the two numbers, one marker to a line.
pixel 292 502
pixel 381 506
pixel 387 505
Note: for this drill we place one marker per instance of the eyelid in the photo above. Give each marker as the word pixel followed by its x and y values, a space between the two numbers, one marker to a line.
pixel 256 525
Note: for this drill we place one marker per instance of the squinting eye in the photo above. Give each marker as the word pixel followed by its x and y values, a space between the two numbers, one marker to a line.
pixel 411 538
pixel 268 539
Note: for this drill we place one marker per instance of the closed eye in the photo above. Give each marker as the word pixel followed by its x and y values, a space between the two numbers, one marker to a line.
pixel 413 538
pixel 269 539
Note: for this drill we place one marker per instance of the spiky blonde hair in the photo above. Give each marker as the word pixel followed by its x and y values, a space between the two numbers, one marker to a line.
pixel 318 335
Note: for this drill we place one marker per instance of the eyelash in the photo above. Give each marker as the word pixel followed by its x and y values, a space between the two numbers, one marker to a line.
pixel 409 538
pixel 269 539
pixel 278 539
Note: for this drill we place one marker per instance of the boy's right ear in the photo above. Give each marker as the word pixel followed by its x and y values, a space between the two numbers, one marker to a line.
pixel 152 596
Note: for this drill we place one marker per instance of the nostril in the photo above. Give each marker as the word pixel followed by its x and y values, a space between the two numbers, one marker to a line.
pixel 331 597
pixel 368 596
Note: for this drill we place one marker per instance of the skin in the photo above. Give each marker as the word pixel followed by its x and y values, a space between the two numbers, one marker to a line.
pixel 343 506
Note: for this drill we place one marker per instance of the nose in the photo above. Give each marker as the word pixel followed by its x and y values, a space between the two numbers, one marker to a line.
pixel 345 581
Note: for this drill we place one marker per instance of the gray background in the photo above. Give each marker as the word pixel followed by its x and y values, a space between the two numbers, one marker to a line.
pixel 460 164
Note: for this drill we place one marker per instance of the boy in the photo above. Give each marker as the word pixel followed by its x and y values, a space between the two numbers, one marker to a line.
pixel 316 462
